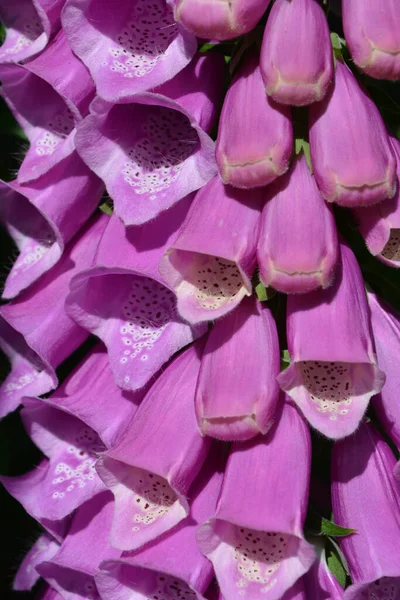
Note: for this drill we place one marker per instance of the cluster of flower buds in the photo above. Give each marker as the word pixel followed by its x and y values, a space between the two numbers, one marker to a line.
pixel 177 454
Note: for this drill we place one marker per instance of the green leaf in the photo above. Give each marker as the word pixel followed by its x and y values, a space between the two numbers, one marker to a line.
pixel 301 145
pixel 331 529
pixel 264 294
pixel 206 47
pixel 336 41
pixel 285 356
pixel 336 567
pixel 106 208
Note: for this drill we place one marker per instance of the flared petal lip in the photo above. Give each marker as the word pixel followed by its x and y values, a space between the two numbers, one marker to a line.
pixel 297 282
pixel 353 591
pixel 305 93
pixel 372 193
pixel 246 427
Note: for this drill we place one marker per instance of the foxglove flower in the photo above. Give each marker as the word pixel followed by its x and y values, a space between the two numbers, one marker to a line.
pixel 298 246
pixel 211 263
pixel 255 136
pixel 296 54
pixel 129 50
pixel 167 155
pixel 121 299
pixel 219 20
pixel 372 31
pixel 43 549
pixel 67 477
pixel 257 547
pixel 333 371
pixel 29 26
pixel 365 497
pixel 172 567
pixel 380 224
pixel 240 403
pixel 35 331
pixel 319 581
pixel 352 158
pixel 152 467
pixel 44 215
pixel 72 570
pixel 296 592
pixel 48 96
pixel 386 329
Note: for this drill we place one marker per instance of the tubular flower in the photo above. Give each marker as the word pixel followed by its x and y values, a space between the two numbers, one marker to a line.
pixel 303 76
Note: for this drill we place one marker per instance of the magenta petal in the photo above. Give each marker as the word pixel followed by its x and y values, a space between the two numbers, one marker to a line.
pixel 319 581
pixel 239 403
pixel 380 224
pixel 38 334
pixel 365 497
pixel 71 571
pixel 43 549
pixel 247 517
pixel 122 302
pixel 352 158
pixel 29 25
pixel 255 135
pixel 296 54
pixel 297 592
pixel 333 372
pixel 44 215
pixel 129 50
pixel 172 567
pixel 298 247
pixel 373 36
pixel 211 263
pixel 151 469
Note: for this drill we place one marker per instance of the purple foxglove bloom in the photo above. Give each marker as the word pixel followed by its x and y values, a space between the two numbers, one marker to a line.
pixel 372 31
pixel 296 54
pixel 129 50
pixel 211 263
pixel 255 136
pixel 239 403
pixel 319 581
pixel 298 245
pixel 333 371
pixel 91 394
pixel 152 467
pixel 380 224
pixel 43 549
pixel 44 215
pixel 71 571
pixel 121 299
pixel 353 162
pixel 166 156
pixel 365 497
pixel 257 547
pixel 48 96
pixel 174 566
pixel 68 477
pixel 218 20
pixel 386 329
pixel 29 25
pixel 35 331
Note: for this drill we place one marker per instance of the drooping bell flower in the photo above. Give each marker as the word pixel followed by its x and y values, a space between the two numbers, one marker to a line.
pixel 167 155
pixel 152 467
pixel 319 582
pixel 239 403
pixel 48 96
pixel 212 19
pixel 255 135
pixel 91 395
pixel 29 25
pixel 386 329
pixel 296 54
pixel 44 215
pixel 333 371
pixel 380 224
pixel 174 566
pixel 43 549
pixel 129 50
pixel 67 477
pixel 255 543
pixel 35 331
pixel 365 497
pixel 123 301
pixel 72 570
pixel 211 262
pixel 353 161
pixel 298 247
pixel 372 31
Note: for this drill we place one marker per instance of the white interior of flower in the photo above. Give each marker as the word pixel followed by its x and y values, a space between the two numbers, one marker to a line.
pixel 392 249
pixel 329 385
pixel 153 497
